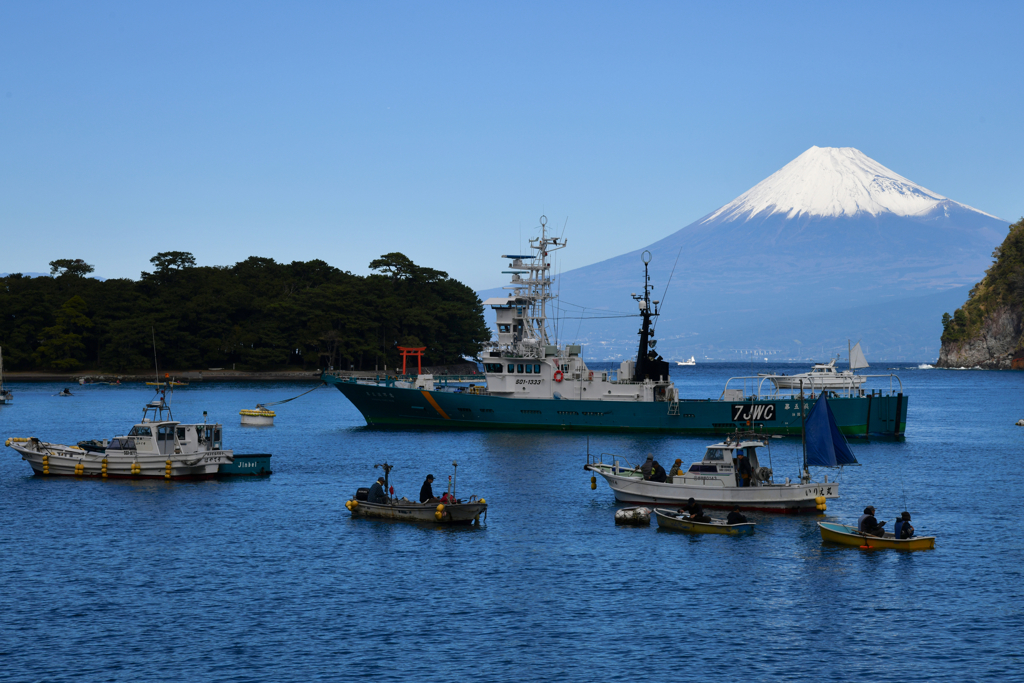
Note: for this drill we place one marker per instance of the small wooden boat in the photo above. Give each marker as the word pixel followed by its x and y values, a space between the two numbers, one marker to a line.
pixel 461 511
pixel 848 535
pixel 409 511
pixel 673 519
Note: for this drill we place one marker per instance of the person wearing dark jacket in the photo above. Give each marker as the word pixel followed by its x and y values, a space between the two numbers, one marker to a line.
pixel 743 469
pixel 376 494
pixel 658 473
pixel 735 517
pixel 427 491
pixel 696 511
pixel 868 524
pixel 647 467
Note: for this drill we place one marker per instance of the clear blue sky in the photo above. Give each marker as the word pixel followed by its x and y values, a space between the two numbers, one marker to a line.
pixel 344 131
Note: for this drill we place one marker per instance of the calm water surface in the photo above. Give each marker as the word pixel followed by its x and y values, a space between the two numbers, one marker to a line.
pixel 270 580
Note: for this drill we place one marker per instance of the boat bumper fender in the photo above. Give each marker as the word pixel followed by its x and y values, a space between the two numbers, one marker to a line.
pixel 593 483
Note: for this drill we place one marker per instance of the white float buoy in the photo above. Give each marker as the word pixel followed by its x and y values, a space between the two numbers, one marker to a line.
pixel 638 516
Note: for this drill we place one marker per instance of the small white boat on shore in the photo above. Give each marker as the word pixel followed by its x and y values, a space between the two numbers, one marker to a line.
pixel 158 447
pixel 5 394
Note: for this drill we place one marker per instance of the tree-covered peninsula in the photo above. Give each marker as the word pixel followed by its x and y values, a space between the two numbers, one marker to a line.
pixel 255 315
pixel 988 330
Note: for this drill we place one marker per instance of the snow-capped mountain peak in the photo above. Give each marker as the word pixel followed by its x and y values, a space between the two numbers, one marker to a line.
pixel 833 181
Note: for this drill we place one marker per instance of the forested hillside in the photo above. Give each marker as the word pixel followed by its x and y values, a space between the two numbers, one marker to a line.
pixel 257 314
pixel 987 330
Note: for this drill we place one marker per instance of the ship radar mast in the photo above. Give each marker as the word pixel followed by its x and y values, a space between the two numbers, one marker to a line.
pixel 649 365
pixel 531 287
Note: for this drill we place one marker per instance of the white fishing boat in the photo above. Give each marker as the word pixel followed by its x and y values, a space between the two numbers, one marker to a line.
pixel 158 447
pixel 825 376
pixel 5 394
pixel 692 361
pixel 715 480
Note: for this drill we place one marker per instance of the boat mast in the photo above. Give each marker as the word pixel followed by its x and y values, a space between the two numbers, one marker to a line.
pixel 535 288
pixel 647 367
pixel 803 433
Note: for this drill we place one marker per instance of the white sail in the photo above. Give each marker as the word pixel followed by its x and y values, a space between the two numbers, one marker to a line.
pixel 857 359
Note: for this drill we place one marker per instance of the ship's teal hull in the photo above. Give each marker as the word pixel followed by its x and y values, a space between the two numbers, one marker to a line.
pixel 389 406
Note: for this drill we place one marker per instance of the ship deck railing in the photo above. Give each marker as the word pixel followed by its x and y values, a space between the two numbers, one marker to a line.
pixel 759 392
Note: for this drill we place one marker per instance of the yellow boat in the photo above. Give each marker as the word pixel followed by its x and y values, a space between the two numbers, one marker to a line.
pixel 673 519
pixel 848 535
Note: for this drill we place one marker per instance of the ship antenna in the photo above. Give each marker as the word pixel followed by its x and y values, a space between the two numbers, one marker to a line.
pixel 665 294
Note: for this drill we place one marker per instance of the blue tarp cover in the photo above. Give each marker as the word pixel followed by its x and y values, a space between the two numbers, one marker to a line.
pixel 826 445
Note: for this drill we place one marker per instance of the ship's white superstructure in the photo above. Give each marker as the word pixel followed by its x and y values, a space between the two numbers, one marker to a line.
pixel 524 363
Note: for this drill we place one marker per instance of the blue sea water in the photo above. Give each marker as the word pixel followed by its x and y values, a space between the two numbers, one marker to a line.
pixel 271 580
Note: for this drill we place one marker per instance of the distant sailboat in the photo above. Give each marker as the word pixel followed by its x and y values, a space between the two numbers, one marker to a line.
pixel 825 375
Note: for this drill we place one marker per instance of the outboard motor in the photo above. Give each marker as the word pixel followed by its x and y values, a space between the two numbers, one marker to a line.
pixel 362 493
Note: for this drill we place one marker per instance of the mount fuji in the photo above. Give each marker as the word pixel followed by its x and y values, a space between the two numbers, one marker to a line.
pixel 833 246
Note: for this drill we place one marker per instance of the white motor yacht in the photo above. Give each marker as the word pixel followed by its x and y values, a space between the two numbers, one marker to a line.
pixel 158 447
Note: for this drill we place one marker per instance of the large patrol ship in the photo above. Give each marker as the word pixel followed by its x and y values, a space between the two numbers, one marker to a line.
pixel 532 383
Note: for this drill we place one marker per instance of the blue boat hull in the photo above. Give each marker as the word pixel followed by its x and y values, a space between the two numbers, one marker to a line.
pixel 254 465
pixel 389 406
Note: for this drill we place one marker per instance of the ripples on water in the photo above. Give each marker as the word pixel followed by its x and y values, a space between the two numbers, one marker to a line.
pixel 269 579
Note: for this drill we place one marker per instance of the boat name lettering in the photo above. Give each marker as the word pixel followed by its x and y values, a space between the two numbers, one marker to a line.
pixel 753 411
pixel 818 491
pixel 527 381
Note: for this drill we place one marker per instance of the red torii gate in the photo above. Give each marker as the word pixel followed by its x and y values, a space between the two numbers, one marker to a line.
pixel 413 351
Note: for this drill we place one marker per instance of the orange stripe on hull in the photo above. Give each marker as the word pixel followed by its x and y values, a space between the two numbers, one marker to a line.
pixel 431 401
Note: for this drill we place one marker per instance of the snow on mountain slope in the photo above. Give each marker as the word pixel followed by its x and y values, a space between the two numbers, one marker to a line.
pixel 832 181
pixel 833 237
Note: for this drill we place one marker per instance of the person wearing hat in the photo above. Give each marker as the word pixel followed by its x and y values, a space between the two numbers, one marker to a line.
pixel 902 529
pixel 696 511
pixel 377 494
pixel 867 524
pixel 735 517
pixel 427 491
pixel 646 468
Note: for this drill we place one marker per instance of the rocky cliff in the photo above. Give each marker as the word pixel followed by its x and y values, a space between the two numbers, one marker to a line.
pixel 988 330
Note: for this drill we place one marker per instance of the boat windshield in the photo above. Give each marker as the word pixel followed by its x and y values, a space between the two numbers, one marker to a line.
pixel 714 454
pixel 139 430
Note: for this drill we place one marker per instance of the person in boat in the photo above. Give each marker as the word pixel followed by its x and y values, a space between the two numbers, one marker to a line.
pixel 902 529
pixel 743 469
pixel 658 473
pixel 868 524
pixel 735 517
pixel 696 511
pixel 377 494
pixel 427 491
pixel 647 467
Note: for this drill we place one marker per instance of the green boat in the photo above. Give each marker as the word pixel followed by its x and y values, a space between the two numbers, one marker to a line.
pixel 534 384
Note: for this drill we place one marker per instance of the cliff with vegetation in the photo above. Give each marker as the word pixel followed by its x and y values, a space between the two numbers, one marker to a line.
pixel 255 315
pixel 988 330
